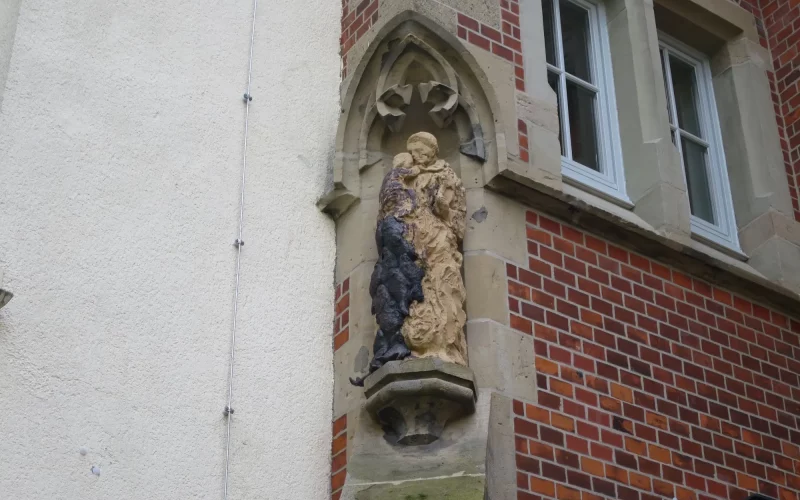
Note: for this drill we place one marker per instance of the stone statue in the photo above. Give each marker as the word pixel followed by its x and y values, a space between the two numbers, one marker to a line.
pixel 417 290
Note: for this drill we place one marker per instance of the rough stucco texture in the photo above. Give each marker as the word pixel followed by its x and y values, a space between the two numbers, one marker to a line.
pixel 8 24
pixel 120 154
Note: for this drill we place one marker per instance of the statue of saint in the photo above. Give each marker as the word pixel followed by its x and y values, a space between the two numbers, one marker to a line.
pixel 417 290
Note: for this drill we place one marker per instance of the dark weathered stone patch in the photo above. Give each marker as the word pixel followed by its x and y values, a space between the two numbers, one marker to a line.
pixel 396 282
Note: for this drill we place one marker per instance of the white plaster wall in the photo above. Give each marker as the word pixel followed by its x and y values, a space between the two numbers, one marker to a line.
pixel 8 24
pixel 120 153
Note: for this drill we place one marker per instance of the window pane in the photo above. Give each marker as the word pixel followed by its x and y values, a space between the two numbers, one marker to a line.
pixel 575 35
pixel 683 83
pixel 694 161
pixel 582 125
pixel 549 32
pixel 552 79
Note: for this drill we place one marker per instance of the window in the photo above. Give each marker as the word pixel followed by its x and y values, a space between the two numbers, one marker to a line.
pixel 579 71
pixel 696 134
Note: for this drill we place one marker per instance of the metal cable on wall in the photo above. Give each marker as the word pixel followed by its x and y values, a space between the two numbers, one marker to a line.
pixel 239 243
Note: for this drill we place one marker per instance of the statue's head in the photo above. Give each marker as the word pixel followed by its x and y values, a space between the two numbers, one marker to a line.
pixel 403 160
pixel 423 148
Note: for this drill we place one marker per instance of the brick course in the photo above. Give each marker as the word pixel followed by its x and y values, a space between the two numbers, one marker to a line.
pixel 341 323
pixel 338 456
pixel 341 334
pixel 358 16
pixel 652 383
pixel 506 44
pixel 781 21
pixel 523 140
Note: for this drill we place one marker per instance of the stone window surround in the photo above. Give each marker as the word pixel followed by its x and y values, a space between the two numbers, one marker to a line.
pixel 723 232
pixel 656 184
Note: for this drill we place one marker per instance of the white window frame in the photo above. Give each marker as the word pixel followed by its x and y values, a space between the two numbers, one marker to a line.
pixel 724 232
pixel 609 182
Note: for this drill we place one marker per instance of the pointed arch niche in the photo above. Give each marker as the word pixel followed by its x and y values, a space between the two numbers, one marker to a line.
pixel 415 75
pixel 412 79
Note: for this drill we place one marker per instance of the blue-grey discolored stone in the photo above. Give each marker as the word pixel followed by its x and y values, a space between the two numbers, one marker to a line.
pixel 476 147
pixel 396 282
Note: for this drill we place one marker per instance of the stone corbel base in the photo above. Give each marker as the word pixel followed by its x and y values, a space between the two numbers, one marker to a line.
pixel 415 398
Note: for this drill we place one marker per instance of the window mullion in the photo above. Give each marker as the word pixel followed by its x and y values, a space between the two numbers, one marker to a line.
pixel 694 138
pixel 604 163
pixel 582 83
pixel 673 111
pixel 562 81
pixel 703 119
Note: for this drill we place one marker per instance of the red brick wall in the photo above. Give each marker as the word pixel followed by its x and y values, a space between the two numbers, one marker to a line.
pixel 781 21
pixel 341 334
pixel 341 323
pixel 523 140
pixel 652 383
pixel 358 16
pixel 338 456
pixel 507 44
pixel 778 23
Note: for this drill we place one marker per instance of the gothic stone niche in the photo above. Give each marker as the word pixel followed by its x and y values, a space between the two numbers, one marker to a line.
pixel 412 139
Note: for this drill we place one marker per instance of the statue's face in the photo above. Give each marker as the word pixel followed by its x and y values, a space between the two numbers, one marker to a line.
pixel 422 154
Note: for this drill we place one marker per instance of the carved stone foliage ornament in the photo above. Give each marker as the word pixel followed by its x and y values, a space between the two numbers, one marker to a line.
pixel 393 94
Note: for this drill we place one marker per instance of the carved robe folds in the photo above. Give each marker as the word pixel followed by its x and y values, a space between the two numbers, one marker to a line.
pixel 417 289
pixel 435 326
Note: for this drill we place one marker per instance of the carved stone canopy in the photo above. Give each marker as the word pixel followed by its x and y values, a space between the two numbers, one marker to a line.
pixel 394 96
pixel 411 79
